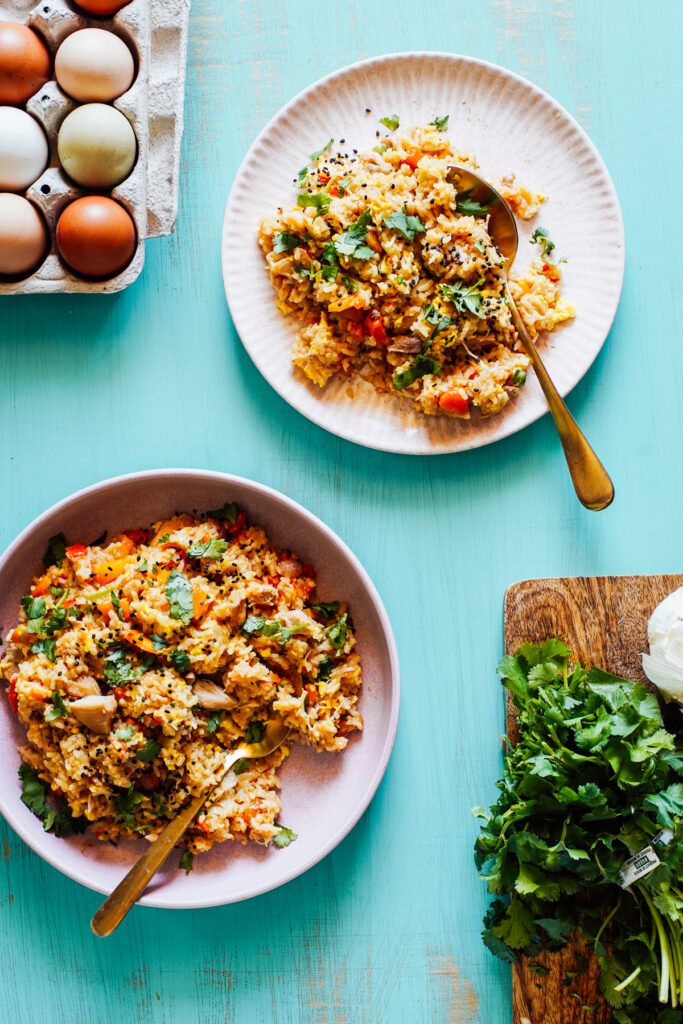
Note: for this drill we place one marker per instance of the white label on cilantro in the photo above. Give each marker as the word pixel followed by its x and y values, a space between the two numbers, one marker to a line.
pixel 664 837
pixel 641 864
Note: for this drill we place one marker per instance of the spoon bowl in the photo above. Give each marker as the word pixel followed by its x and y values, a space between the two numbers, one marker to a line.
pixel 592 483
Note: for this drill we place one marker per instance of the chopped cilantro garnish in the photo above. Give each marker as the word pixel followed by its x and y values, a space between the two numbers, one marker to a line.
pixel 181 662
pixel 466 298
pixel 56 551
pixel 127 804
pixel 33 606
pixel 62 823
pixel 382 148
pixel 149 751
pixel 324 669
pixel 540 235
pixel 408 225
pixel 282 242
pixel 212 548
pixel 440 123
pixel 241 765
pixel 437 319
pixel 179 594
pixel 391 122
pixel 186 861
pixel 253 624
pixel 58 709
pixel 284 837
pixel 256 625
pixel 46 647
pixel 469 207
pixel 255 731
pixel 320 201
pixel 336 633
pixel 158 641
pixel 316 156
pixel 118 669
pixel 350 285
pixel 116 605
pixel 126 733
pixel 350 242
pixel 328 610
pixel 214 721
pixel 227 514
pixel 420 366
pixel 518 378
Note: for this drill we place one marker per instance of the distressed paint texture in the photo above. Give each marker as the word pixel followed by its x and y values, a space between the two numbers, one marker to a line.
pixel 386 929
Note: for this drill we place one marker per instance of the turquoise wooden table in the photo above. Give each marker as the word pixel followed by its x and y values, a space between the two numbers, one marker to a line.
pixel 386 929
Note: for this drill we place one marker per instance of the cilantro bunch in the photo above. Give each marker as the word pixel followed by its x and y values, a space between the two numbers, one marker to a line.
pixel 594 779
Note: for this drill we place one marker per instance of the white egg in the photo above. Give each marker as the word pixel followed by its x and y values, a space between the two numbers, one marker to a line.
pixel 23 149
pixel 93 65
pixel 23 238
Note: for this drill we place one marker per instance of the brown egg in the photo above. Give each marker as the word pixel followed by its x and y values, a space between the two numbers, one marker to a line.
pixel 102 6
pixel 24 63
pixel 96 236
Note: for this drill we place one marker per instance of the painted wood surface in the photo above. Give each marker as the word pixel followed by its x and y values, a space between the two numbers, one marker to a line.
pixel 386 929
pixel 603 620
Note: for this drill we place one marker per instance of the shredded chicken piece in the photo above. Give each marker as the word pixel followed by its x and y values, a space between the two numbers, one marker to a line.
pixel 95 712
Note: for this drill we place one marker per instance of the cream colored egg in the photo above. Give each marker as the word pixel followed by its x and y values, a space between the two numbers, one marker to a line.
pixel 97 146
pixel 93 65
pixel 23 150
pixel 23 237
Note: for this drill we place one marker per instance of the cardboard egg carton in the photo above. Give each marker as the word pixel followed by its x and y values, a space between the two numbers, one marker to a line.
pixel 156 32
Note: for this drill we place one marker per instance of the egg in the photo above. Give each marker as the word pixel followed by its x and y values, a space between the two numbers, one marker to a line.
pixel 94 65
pixel 102 6
pixel 23 150
pixel 96 146
pixel 23 237
pixel 96 236
pixel 24 63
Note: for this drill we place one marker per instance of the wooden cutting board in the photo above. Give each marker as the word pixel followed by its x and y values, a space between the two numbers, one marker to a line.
pixel 603 619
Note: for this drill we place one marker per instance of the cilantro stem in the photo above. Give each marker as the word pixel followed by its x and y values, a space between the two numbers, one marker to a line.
pixel 627 981
pixel 664 946
pixel 607 920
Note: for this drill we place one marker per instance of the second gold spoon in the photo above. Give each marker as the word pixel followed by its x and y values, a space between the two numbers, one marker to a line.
pixel 591 481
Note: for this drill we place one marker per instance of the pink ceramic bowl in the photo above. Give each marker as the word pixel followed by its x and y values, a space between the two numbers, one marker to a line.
pixel 323 795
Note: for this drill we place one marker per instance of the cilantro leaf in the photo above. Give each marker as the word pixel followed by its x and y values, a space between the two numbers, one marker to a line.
pixel 33 606
pixel 253 625
pixel 466 298
pixel 382 148
pixel 181 662
pixel 33 790
pixel 420 366
pixel 149 751
pixel 241 765
pixel 324 669
pixel 350 242
pixel 336 633
pixel 179 595
pixel 46 647
pixel 212 548
pixel 186 861
pixel 407 224
pixel 316 156
pixel 320 201
pixel 127 804
pixel 328 610
pixel 226 514
pixel 58 709
pixel 391 122
pixel 439 320
pixel 285 837
pixel 255 731
pixel 540 236
pixel 469 207
pixel 214 720
pixel 118 668
pixel 284 241
pixel 125 733
pixel 56 551
pixel 440 123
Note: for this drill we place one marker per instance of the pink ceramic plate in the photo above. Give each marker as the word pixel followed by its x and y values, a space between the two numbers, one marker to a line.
pixel 323 795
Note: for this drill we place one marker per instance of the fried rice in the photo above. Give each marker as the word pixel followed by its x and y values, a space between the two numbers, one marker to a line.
pixel 395 278
pixel 136 664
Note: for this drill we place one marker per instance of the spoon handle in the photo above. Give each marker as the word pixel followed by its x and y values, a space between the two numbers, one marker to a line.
pixel 131 887
pixel 592 483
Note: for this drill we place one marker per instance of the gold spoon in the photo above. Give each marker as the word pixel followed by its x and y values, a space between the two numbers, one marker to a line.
pixel 591 481
pixel 130 888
